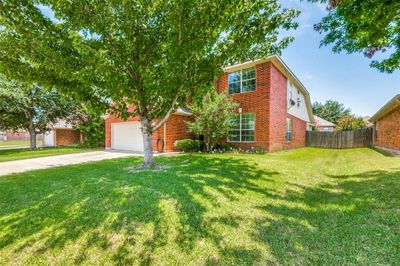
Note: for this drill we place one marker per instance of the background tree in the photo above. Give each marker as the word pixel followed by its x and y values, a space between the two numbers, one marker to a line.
pixel 367 26
pixel 350 123
pixel 90 122
pixel 31 108
pixel 331 110
pixel 212 117
pixel 153 55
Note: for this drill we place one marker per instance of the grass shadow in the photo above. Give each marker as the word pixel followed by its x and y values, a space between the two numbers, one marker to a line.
pixel 352 221
pixel 102 206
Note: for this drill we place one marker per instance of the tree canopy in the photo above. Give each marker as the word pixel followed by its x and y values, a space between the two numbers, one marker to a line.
pixel 367 26
pixel 350 122
pixel 31 108
pixel 331 110
pixel 153 55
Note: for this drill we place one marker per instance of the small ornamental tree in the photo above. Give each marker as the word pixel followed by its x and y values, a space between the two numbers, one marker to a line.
pixel 153 55
pixel 212 117
pixel 31 108
pixel 350 122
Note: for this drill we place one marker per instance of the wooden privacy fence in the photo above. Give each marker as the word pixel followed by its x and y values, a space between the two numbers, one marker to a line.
pixel 340 140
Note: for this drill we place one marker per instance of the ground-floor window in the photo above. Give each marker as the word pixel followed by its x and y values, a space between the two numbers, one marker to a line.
pixel 242 128
pixel 288 129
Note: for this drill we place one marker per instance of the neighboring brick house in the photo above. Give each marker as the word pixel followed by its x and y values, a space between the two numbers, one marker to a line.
pixel 387 126
pixel 18 135
pixel 62 134
pixel 274 113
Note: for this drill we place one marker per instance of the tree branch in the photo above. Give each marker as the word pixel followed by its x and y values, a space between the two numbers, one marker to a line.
pixel 162 122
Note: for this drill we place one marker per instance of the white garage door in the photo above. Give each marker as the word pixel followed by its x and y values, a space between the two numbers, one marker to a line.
pixel 126 136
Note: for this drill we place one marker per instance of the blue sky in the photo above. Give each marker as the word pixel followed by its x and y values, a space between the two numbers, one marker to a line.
pixel 347 78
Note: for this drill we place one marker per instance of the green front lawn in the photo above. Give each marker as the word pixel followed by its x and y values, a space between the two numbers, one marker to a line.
pixel 308 206
pixel 20 154
pixel 17 143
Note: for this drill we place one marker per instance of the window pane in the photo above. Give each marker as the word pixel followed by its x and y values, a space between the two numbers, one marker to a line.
pixel 247 121
pixel 248 73
pixel 288 129
pixel 234 135
pixel 234 77
pixel 289 125
pixel 247 135
pixel 234 87
pixel 249 85
pixel 234 128
pixel 234 123
pixel 247 127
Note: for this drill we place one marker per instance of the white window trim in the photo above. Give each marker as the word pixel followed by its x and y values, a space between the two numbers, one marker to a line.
pixel 242 80
pixel 240 130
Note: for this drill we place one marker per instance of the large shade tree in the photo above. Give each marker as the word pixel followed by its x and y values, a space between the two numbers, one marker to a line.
pixel 367 26
pixel 31 108
pixel 153 55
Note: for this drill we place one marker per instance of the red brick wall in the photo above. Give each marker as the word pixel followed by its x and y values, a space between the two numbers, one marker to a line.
pixel 256 102
pixel 389 131
pixel 299 128
pixel 67 136
pixel 176 129
pixel 278 110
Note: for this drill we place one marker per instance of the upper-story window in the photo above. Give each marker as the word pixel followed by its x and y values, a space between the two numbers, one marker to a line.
pixel 243 80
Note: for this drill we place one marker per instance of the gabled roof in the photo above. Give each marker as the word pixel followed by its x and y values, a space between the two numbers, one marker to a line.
pixel 387 108
pixel 320 122
pixel 278 62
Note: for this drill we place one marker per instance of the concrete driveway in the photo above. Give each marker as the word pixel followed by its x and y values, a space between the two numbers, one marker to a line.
pixel 19 166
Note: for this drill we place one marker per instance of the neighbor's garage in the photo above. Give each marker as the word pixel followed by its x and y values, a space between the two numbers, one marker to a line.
pixel 126 136
pixel 62 137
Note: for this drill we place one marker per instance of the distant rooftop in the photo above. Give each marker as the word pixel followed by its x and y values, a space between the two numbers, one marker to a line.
pixel 320 122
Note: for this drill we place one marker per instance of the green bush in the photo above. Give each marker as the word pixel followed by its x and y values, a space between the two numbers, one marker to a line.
pixel 190 145
pixel 258 150
pixel 198 145
pixel 225 147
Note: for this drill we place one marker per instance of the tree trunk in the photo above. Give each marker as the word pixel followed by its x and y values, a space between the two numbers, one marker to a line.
pixel 147 142
pixel 32 138
pixel 207 142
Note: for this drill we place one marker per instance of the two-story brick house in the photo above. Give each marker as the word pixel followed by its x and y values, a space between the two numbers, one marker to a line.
pixel 274 114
